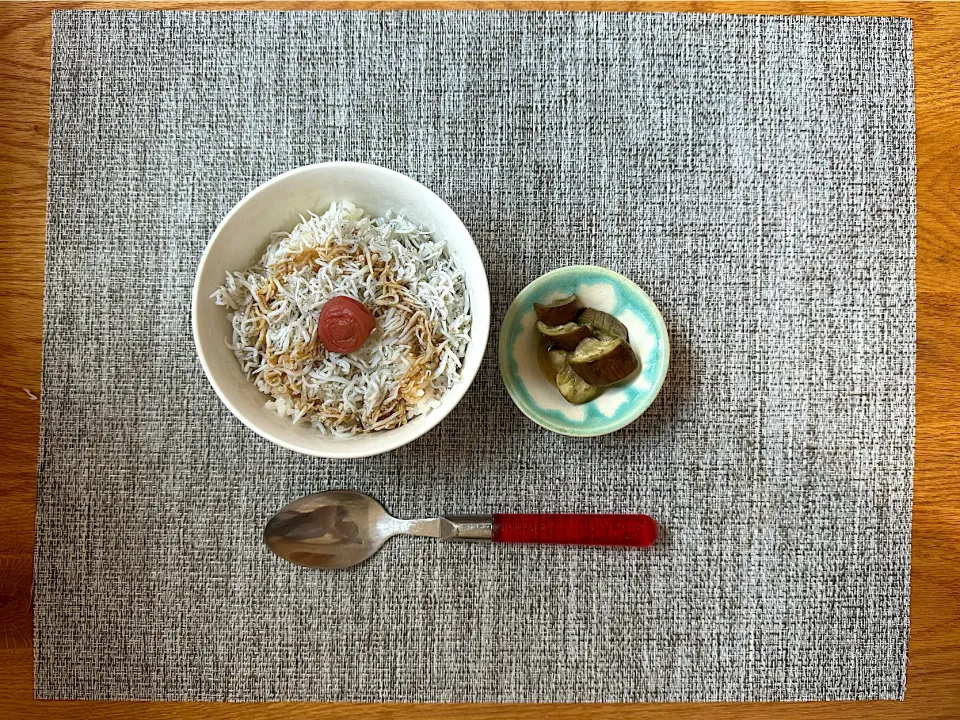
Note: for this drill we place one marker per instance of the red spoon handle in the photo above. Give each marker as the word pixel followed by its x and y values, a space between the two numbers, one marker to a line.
pixel 569 529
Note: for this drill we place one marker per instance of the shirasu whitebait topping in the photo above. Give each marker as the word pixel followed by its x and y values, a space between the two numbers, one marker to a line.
pixel 407 279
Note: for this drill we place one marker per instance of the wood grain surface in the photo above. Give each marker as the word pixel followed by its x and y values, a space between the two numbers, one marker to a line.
pixel 933 688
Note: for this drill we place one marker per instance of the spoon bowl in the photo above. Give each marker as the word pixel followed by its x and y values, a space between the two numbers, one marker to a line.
pixel 330 530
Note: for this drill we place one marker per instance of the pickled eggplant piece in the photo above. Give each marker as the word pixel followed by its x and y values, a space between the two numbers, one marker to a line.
pixel 604 325
pixel 551 361
pixel 603 362
pixel 566 336
pixel 557 359
pixel 558 312
pixel 543 362
pixel 574 389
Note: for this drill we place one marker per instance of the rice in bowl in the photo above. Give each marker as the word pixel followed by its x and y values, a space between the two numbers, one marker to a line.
pixel 408 280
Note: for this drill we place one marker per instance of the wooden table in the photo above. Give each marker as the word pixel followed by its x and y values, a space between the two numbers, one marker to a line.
pixel 933 688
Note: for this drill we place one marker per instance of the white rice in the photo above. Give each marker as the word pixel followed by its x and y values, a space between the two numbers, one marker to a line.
pixel 409 281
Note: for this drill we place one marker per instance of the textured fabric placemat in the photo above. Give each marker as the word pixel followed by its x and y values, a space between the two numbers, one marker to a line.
pixel 754 174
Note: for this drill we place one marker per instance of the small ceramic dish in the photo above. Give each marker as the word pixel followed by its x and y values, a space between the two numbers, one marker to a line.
pixel 619 405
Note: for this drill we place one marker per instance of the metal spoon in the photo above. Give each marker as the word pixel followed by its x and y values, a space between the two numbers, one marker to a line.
pixel 342 528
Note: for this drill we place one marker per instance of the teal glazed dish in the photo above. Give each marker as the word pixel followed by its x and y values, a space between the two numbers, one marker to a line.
pixel 619 405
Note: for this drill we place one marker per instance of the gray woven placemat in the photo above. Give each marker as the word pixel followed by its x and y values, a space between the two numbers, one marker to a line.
pixel 754 175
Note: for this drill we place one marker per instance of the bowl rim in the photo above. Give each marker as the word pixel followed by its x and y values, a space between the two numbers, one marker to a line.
pixel 512 315
pixel 430 419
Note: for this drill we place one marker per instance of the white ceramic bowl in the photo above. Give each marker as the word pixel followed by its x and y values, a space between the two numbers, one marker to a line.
pixel 239 241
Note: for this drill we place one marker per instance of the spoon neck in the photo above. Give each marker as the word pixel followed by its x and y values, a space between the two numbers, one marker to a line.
pixel 455 527
pixel 424 527
pixel 466 527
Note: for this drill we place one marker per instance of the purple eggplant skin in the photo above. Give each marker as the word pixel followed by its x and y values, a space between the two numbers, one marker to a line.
pixel 602 363
pixel 558 312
